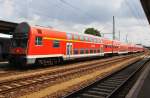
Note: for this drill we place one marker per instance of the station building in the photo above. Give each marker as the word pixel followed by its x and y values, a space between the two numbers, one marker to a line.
pixel 6 29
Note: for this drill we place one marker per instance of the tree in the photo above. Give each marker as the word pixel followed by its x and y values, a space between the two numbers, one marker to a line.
pixel 92 31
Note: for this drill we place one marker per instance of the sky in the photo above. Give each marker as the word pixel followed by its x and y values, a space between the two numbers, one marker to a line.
pixel 77 15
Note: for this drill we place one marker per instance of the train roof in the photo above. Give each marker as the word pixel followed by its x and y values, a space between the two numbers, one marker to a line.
pixel 105 40
pixel 74 33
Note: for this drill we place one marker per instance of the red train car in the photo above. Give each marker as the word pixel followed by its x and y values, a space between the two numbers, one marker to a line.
pixel 116 46
pixel 131 48
pixel 108 46
pixel 33 44
pixel 123 48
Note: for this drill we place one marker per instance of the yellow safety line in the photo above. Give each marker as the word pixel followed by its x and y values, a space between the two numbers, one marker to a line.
pixel 49 38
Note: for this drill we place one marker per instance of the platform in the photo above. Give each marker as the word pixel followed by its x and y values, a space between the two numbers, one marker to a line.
pixel 141 88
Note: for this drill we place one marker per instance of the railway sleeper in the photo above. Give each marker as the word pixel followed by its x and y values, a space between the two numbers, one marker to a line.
pixel 89 96
pixel 105 87
pixel 101 90
pixel 113 83
pixel 110 85
pixel 104 94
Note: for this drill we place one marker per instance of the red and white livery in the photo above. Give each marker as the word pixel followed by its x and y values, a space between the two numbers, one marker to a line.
pixel 33 44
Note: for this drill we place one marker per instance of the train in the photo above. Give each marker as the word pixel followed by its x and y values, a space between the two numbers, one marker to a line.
pixel 46 46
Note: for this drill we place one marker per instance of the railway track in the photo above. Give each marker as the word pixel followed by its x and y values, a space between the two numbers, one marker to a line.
pixel 13 71
pixel 111 85
pixel 7 88
pixel 8 70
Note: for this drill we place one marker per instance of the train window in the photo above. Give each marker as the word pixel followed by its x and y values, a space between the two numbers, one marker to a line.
pixel 86 51
pixel 86 38
pixel 82 38
pixel 95 40
pixel 81 51
pixel 100 41
pixel 91 50
pixel 69 36
pixel 75 51
pixel 91 39
pixel 76 37
pixel 98 50
pixel 56 43
pixel 38 40
pixel 94 50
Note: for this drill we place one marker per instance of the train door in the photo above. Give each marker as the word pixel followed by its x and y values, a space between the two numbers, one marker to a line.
pixel 68 50
pixel 102 50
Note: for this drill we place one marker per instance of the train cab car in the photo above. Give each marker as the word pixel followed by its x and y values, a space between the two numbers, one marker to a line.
pixel 40 45
pixel 31 44
pixel 19 44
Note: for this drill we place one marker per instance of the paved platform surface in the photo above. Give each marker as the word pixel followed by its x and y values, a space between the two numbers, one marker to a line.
pixel 145 89
pixel 141 88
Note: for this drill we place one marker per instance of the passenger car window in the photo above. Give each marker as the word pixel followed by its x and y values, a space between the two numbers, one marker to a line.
pixel 86 38
pixel 82 38
pixel 56 43
pixel 69 36
pixel 38 40
pixel 86 51
pixel 75 51
pixel 91 50
pixel 91 39
pixel 81 51
pixel 76 37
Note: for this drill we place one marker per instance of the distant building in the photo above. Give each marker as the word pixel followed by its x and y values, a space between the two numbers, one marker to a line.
pixel 5 41
pixel 6 28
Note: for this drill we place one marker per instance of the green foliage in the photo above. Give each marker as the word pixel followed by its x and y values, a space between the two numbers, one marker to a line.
pixel 92 31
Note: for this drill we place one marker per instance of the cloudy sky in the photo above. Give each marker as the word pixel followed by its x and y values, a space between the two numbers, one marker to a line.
pixel 77 15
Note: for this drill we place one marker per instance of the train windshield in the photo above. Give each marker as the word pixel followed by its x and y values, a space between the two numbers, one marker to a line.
pixel 20 42
pixel 20 36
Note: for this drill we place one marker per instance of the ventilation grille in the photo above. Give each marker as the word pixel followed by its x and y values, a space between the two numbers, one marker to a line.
pixel 39 31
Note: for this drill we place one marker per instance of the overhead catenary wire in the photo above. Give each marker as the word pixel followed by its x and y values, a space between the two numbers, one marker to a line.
pixel 137 10
pixel 29 9
pixel 83 12
pixel 133 12
pixel 78 9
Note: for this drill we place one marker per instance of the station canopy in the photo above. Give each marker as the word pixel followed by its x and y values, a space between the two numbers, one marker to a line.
pixel 146 7
pixel 7 27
